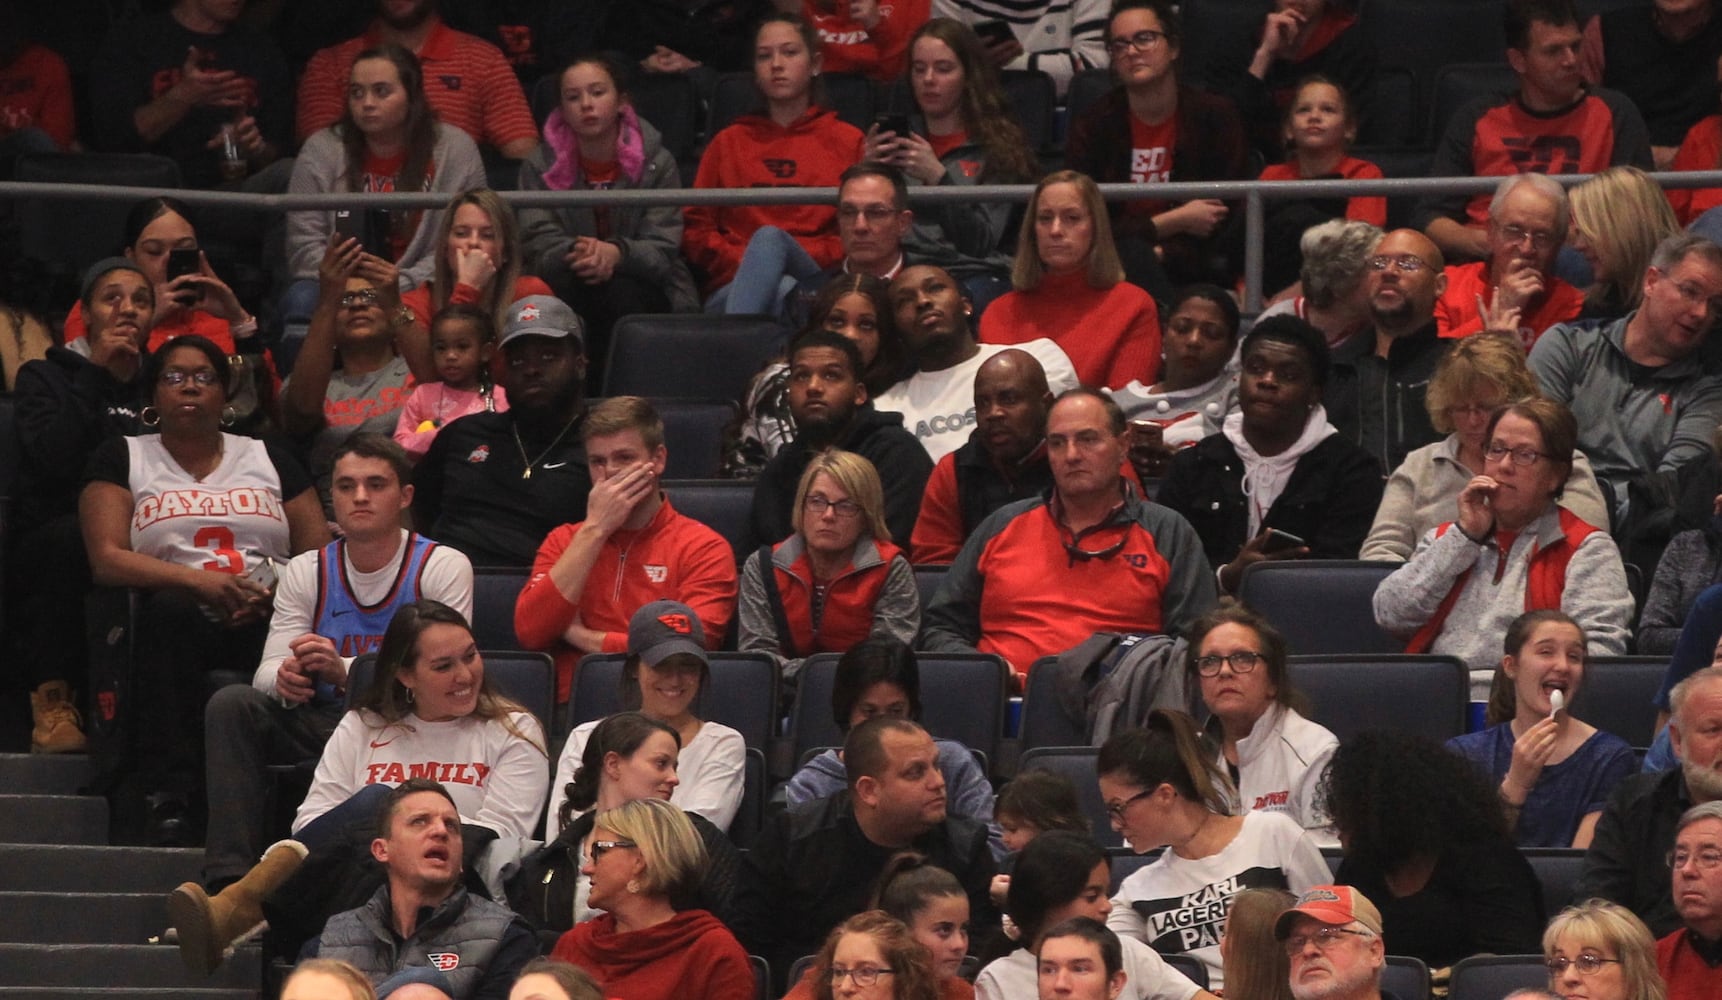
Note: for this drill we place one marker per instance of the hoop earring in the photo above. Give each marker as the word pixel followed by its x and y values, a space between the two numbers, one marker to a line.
pixel 149 416
pixel 229 416
pixel 634 886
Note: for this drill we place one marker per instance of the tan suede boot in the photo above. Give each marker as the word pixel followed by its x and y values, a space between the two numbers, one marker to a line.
pixel 207 925
pixel 56 726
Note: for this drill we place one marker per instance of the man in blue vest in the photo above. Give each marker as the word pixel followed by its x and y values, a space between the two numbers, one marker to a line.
pixel 331 605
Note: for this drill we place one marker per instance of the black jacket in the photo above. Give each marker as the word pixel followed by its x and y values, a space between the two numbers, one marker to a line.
pixel 1624 862
pixel 1329 501
pixel 66 406
pixel 878 437
pixel 1381 405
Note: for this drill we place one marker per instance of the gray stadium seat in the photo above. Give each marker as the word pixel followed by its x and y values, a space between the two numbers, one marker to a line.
pixel 688 356
pixel 962 699
pixel 1044 723
pixel 1077 764
pixel 722 505
pixel 1491 977
pixel 1616 696
pixel 1426 695
pixel 742 693
pixel 1320 605
pixel 495 589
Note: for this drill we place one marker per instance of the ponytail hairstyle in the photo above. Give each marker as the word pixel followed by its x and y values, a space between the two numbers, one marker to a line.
pixel 909 882
pixel 1168 750
pixel 1503 691
pixel 621 734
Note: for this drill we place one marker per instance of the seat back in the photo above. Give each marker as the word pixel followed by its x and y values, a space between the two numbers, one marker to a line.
pixel 1320 605
pixel 852 96
pixel 672 104
pixel 1086 87
pixel 722 505
pixel 1426 695
pixel 1387 119
pixel 1424 35
pixel 742 694
pixel 1216 38
pixel 1124 862
pixel 1558 870
pixel 693 435
pixel 761 977
pixel 1491 977
pixel 528 678
pixel 962 698
pixel 693 357
pixel 1044 723
pixel 1459 84
pixel 72 235
pixel 1033 98
pixel 1193 968
pixel 1405 976
pixel 1616 696
pixel 495 589
pixel 1077 765
pixel 927 580
pixel 733 95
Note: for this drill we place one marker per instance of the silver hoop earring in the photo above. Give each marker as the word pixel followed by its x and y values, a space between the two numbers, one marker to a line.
pixel 229 416
pixel 149 416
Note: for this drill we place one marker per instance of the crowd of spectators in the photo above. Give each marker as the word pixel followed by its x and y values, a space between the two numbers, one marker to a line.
pixel 1517 402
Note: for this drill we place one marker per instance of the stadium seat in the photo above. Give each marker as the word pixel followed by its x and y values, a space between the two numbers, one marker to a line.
pixel 1217 33
pixel 495 589
pixel 1077 764
pixel 962 699
pixel 694 433
pixel 1491 977
pixel 1459 84
pixel 1426 695
pixel 1558 870
pixel 1320 605
pixel 528 678
pixel 1387 117
pixel 1404 976
pixel 1193 968
pixel 852 96
pixel 1044 723
pixel 742 693
pixel 1033 98
pixel 927 580
pixel 761 977
pixel 1425 35
pixel 70 235
pixel 1124 862
pixel 688 356
pixel 722 505
pixel 750 818
pixel 1616 696
pixel 1086 87
pixel 733 95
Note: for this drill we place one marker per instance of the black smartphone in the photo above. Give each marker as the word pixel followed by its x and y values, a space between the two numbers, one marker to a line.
pixel 370 226
pixel 1280 541
pixel 892 121
pixel 182 261
pixel 994 32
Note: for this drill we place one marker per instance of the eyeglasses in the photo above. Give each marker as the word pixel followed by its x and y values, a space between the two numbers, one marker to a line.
pixel 362 297
pixel 1588 964
pixel 1243 661
pixel 1408 263
pixel 1116 809
pixel 872 213
pixel 818 505
pixel 603 847
pixel 1522 457
pixel 1705 860
pixel 1517 235
pixel 1323 937
pixel 864 975
pixel 177 377
pixel 1142 41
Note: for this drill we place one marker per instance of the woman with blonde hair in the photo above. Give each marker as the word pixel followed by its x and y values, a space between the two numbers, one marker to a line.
pixel 326 979
pixel 1477 376
pixel 1618 218
pixel 548 979
pixel 838 579
pixel 479 262
pixel 1070 289
pixel 874 955
pixel 646 860
pixel 1604 949
pixel 1257 967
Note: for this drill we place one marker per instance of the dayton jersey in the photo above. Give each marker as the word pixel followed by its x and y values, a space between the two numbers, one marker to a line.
pixel 358 626
pixel 230 521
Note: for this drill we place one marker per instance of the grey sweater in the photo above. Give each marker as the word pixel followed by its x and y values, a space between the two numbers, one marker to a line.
pixel 1689 565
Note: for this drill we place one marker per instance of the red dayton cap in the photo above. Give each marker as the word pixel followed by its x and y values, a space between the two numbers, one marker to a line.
pixel 1331 904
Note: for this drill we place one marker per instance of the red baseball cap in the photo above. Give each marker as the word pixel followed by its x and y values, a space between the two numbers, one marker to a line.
pixel 1331 904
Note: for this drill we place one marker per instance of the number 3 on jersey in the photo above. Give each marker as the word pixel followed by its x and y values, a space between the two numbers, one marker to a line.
pixel 220 543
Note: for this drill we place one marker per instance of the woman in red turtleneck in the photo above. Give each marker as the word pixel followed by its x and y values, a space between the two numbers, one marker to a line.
pixel 645 857
pixel 1070 288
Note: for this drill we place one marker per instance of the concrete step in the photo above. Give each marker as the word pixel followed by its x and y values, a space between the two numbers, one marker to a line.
pixel 44 774
pixel 53 819
pixel 121 993
pixel 80 868
pixel 81 917
pixel 138 966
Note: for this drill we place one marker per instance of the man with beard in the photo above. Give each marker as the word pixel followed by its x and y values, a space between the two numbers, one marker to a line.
pixel 831 411
pixel 1381 377
pixel 1333 937
pixel 424 927
pixel 468 81
pixel 493 485
pixel 1515 290
pixel 1626 862
pixel 937 401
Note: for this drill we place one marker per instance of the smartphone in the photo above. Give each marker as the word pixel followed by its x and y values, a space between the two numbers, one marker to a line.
pixel 370 226
pixel 1280 541
pixel 183 261
pixel 1144 432
pixel 994 32
pixel 892 121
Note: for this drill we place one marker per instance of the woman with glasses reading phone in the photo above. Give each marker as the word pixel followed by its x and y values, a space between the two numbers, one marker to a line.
pixel 1509 550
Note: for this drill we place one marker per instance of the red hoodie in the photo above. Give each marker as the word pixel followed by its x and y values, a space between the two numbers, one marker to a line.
pixel 690 955
pixel 846 46
pixel 812 151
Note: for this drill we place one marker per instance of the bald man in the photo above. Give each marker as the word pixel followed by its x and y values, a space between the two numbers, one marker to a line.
pixel 932 315
pixel 1375 396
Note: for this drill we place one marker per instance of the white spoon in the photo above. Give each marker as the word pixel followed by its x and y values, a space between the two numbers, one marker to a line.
pixel 1557 701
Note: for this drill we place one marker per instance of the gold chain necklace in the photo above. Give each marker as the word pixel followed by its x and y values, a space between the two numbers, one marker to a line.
pixel 526 473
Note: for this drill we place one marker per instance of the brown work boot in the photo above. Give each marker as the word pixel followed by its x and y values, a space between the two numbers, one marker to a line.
pixel 57 728
pixel 207 925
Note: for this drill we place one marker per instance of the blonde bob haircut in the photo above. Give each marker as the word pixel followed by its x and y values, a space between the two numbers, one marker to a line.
pixel 1623 215
pixel 1479 365
pixel 857 477
pixel 501 293
pixel 1104 267
pixel 673 853
pixel 350 978
pixel 1611 927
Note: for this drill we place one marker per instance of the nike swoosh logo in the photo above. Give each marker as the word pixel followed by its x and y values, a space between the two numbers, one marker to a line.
pixel 554 465
pixel 378 746
pixel 339 612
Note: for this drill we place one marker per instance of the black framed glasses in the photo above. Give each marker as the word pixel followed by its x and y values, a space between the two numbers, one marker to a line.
pixel 177 377
pixel 1524 458
pixel 603 847
pixel 818 505
pixel 1141 41
pixel 1588 964
pixel 864 975
pixel 1116 809
pixel 1243 661
pixel 1705 860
